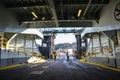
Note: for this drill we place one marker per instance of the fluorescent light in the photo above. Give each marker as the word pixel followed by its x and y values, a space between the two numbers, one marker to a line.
pixel 79 13
pixel 34 14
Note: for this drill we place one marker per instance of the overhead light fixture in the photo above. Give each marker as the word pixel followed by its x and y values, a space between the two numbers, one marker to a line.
pixel 33 13
pixel 79 13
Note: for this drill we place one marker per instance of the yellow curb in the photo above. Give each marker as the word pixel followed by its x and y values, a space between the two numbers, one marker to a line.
pixel 11 66
pixel 100 65
pixel 81 60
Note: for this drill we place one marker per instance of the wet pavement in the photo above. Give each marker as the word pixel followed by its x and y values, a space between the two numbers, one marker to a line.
pixel 59 70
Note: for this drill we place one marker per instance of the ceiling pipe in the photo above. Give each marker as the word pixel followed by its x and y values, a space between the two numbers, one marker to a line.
pixel 87 7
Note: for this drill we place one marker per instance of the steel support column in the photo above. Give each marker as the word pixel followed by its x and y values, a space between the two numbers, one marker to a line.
pixel 52 43
pixel 116 38
pixel 92 44
pixel 101 50
pixel 113 46
pixel 15 45
pixel 32 45
pixel 88 46
pixel 86 43
pixel 46 45
pixel 112 43
pixel 25 45
pixel 78 40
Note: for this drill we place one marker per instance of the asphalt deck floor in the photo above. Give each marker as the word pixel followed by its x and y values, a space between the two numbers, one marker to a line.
pixel 59 70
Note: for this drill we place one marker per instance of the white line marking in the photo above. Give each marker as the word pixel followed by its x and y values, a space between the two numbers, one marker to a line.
pixel 98 67
pixel 37 72
pixel 44 66
pixel 33 65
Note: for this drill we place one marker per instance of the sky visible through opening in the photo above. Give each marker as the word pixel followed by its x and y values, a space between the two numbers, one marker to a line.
pixel 62 37
pixel 65 38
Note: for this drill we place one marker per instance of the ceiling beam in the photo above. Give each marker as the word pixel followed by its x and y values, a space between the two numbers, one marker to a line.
pixel 40 21
pixel 82 2
pixel 28 6
pixel 52 8
pixel 77 5
pixel 75 20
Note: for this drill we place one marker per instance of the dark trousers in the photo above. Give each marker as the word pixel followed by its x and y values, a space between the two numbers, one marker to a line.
pixel 67 58
pixel 55 58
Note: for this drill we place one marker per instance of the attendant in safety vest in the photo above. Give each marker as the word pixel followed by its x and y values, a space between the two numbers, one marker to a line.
pixel 54 55
pixel 67 54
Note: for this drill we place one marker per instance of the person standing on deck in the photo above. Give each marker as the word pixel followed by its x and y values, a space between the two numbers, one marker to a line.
pixel 67 54
pixel 54 55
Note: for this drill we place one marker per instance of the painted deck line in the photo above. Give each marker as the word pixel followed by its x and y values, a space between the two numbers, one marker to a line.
pixel 100 65
pixel 11 66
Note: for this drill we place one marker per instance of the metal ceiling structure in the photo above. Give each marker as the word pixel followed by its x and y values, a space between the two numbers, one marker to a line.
pixel 61 30
pixel 57 13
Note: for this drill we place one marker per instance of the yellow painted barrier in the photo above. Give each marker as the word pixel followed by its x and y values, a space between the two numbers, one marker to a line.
pixel 100 65
pixel 11 66
pixel 81 60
